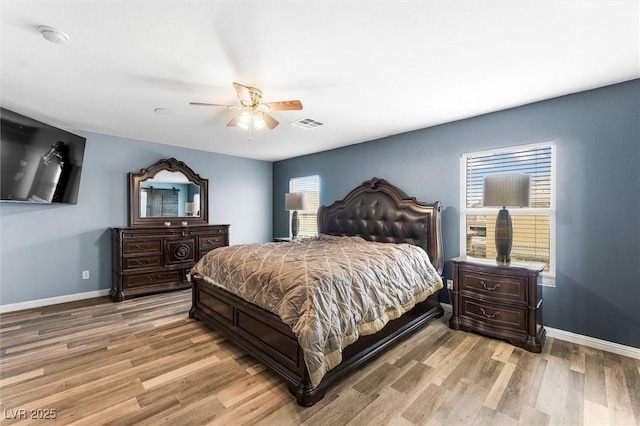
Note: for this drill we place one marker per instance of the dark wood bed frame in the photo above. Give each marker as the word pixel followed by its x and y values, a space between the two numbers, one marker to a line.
pixel 376 211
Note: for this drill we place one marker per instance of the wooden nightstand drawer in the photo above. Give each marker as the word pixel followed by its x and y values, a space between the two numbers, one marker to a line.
pixel 497 314
pixel 500 287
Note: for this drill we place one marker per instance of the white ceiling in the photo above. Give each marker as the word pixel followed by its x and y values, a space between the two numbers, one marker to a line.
pixel 367 69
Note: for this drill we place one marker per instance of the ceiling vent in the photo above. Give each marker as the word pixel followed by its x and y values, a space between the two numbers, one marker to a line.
pixel 307 123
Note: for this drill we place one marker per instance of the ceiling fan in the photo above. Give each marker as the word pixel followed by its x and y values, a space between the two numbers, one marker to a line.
pixel 254 111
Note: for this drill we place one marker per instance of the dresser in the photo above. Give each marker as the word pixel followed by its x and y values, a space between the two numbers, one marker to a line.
pixel 148 260
pixel 499 301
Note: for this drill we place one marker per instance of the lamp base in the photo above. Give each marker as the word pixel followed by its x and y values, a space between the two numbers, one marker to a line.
pixel 504 237
pixel 295 224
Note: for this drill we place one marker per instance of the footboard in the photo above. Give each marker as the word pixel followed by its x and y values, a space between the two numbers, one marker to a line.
pixel 260 332
pixel 271 341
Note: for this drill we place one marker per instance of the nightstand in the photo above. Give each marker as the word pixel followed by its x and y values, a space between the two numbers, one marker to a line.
pixel 281 239
pixel 499 301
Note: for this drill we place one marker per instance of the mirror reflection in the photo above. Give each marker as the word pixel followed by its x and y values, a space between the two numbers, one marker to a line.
pixel 169 194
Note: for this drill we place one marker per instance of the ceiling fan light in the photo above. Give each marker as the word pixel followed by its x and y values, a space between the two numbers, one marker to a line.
pixel 244 119
pixel 258 122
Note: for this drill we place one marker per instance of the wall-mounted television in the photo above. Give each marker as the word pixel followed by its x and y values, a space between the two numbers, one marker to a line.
pixel 39 163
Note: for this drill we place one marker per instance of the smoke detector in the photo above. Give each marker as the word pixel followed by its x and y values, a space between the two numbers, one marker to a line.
pixel 53 35
pixel 165 112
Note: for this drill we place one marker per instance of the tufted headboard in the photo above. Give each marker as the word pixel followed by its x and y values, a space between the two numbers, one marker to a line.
pixel 378 211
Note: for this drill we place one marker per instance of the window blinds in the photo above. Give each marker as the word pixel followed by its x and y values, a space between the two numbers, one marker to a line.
pixel 532 226
pixel 534 161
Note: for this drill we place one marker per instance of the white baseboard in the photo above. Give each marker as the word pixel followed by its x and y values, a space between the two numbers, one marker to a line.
pixel 30 304
pixel 590 342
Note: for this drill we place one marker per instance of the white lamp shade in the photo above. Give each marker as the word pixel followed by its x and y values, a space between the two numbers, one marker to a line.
pixel 189 207
pixel 295 201
pixel 507 190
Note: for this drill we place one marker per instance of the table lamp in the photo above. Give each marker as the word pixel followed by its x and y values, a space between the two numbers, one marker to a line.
pixel 506 191
pixel 294 201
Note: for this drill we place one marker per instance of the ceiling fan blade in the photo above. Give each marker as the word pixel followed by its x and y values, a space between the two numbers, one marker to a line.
pixel 269 120
pixel 284 105
pixel 243 93
pixel 234 121
pixel 215 105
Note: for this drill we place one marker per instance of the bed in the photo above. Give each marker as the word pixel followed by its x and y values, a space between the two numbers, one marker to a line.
pixel 375 211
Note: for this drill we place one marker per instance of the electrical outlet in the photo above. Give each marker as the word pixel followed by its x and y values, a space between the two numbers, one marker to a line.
pixel 85 275
pixel 450 284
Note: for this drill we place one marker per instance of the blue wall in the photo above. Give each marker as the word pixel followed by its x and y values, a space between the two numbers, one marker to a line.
pixel 597 135
pixel 44 248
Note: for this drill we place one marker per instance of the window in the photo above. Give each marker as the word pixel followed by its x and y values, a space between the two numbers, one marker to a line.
pixel 308 218
pixel 533 227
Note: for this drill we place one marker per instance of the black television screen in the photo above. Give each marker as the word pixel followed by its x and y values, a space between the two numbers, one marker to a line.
pixel 39 163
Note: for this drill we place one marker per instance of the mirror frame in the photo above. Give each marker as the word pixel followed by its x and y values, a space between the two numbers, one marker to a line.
pixel 171 165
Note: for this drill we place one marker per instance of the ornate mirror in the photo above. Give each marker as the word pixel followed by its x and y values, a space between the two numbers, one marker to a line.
pixel 168 193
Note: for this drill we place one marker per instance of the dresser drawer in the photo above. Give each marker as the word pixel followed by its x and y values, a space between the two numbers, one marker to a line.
pixel 152 278
pixel 496 314
pixel 215 230
pixel 179 251
pixel 139 262
pixel 209 242
pixel 499 287
pixel 142 246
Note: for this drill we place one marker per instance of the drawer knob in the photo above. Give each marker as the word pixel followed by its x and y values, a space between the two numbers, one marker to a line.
pixel 493 287
pixel 493 315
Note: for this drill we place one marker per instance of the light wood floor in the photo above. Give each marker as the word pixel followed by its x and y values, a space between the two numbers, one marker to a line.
pixel 143 361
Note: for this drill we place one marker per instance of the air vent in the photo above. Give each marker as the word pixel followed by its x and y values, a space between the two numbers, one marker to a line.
pixel 307 123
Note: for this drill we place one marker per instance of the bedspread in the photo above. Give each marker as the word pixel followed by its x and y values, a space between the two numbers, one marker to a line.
pixel 329 290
